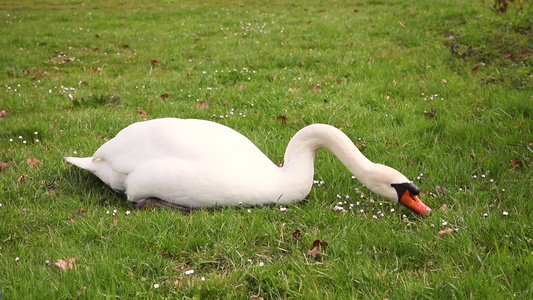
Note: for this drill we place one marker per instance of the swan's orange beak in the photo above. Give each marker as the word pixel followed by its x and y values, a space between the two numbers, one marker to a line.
pixel 413 203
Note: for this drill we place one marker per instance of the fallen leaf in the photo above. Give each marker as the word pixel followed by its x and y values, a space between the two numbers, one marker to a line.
pixel 444 207
pixel 430 113
pixel 80 211
pixel 21 179
pixel 154 62
pixel 476 67
pixel 283 119
pixel 318 245
pixel 203 104
pixel 257 297
pixel 115 221
pixel 3 165
pixel 296 234
pixel 446 231
pixel 96 69
pixel 440 189
pixel 3 113
pixel 71 220
pixel 66 264
pixel 516 163
pixel 142 113
pixel 81 290
pixel 33 161
pixel 164 96
pixel 293 89
pixel 98 35
pixel 317 88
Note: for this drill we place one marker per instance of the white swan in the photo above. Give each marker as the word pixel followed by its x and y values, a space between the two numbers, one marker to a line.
pixel 187 163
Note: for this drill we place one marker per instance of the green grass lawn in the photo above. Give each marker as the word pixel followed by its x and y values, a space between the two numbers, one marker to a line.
pixel 440 90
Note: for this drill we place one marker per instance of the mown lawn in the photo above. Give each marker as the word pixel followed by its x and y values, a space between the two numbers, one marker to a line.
pixel 440 90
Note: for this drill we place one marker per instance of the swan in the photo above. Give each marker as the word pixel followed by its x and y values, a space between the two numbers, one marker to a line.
pixel 190 163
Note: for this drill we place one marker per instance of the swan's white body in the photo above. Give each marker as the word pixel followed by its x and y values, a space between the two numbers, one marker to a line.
pixel 197 163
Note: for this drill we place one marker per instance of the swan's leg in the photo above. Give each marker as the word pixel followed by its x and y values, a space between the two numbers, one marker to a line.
pixel 161 204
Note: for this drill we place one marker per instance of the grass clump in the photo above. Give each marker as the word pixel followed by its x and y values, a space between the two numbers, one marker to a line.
pixel 439 90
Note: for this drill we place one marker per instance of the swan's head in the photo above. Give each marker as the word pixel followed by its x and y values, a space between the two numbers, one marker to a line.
pixel 391 184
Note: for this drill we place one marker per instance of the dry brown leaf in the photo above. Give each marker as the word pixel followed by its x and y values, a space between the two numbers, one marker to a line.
pixel 516 163
pixel 446 231
pixel 257 297
pixel 314 251
pixel 33 161
pixel 425 193
pixel 444 207
pixel 3 113
pixel 164 96
pixel 317 88
pixel 318 245
pixel 66 264
pixel 115 221
pixel 21 179
pixel 440 189
pixel 203 104
pixel 476 67
pixel 283 119
pixel 81 290
pixel 3 165
pixel 293 89
pixel 430 113
pixel 296 234
pixel 80 211
pixel 143 113
pixel 154 62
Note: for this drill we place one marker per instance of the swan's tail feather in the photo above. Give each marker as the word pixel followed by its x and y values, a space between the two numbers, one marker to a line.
pixel 82 162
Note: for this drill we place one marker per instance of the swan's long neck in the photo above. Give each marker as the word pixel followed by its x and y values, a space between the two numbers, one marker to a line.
pixel 300 153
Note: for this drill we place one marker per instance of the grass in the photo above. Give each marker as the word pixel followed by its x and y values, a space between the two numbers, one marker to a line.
pixel 400 76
